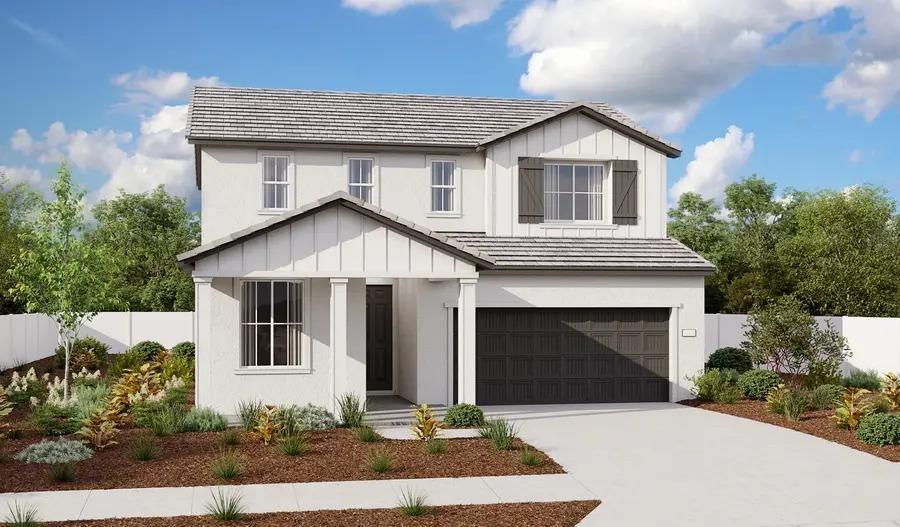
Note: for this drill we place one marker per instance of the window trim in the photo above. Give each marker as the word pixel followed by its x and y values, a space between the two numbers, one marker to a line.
pixel 289 180
pixel 605 193
pixel 375 186
pixel 456 212
pixel 305 365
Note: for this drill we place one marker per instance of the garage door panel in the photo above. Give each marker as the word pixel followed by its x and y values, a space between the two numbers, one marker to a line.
pixel 533 355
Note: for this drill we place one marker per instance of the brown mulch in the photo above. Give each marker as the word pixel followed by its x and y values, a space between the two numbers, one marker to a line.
pixel 335 455
pixel 556 514
pixel 815 423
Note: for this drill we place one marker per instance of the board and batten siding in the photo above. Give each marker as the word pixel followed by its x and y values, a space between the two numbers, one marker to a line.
pixel 336 241
pixel 573 137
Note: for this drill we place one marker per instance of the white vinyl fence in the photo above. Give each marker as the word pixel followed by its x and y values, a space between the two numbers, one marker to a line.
pixel 874 342
pixel 30 337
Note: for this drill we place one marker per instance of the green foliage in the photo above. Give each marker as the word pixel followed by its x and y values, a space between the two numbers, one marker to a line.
pixel 63 473
pixel 17 205
pixel 530 458
pixel 795 403
pixel 144 449
pixel 464 415
pixel 755 384
pixel 21 515
pixel 822 372
pixel 715 385
pixel 200 419
pixel 58 452
pixel 248 413
pixel 144 233
pixel 184 349
pixel 231 437
pixel 436 446
pixel 413 503
pixel 785 337
pixel 352 410
pixel 501 432
pixel 775 399
pixel 226 506
pixel 147 349
pixel 852 408
pixel 178 366
pixel 367 435
pixel 227 466
pixel 880 429
pixel 56 420
pixel 89 399
pixel 826 396
pixel 867 380
pixel 130 360
pixel 379 460
pixel 86 352
pixel 729 358
pixel 294 445
pixel 312 417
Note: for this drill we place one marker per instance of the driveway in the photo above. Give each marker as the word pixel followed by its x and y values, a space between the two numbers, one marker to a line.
pixel 660 464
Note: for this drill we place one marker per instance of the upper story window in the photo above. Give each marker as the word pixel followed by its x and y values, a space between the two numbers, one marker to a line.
pixel 275 182
pixel 443 186
pixel 271 323
pixel 573 192
pixel 360 183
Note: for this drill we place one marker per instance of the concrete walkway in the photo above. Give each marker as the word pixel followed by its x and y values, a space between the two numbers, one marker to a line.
pixel 666 464
pixel 381 494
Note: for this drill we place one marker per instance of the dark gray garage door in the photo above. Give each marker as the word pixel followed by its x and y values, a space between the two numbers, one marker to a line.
pixel 538 356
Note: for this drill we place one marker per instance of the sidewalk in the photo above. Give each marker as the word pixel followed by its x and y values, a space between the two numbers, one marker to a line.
pixel 287 497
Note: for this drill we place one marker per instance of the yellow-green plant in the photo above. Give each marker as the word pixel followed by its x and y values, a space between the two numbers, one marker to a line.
pixel 135 385
pixel 890 388
pixel 100 428
pixel 427 425
pixel 776 398
pixel 6 408
pixel 853 407
pixel 268 424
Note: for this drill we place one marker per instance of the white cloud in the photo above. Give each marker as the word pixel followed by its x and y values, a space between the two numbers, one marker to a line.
pixel 459 12
pixel 715 164
pixel 807 44
pixel 41 36
pixel 21 174
pixel 145 87
pixel 21 141
pixel 855 156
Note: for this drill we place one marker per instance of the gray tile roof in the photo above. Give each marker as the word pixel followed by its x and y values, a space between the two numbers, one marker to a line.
pixel 610 254
pixel 301 116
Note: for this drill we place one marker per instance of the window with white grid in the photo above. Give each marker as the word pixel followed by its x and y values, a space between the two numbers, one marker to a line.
pixel 360 183
pixel 443 186
pixel 275 182
pixel 573 192
pixel 271 323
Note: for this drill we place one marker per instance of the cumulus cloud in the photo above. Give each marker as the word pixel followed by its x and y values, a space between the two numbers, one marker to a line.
pixel 21 141
pixel 715 164
pixel 21 174
pixel 459 12
pixel 807 44
pixel 146 87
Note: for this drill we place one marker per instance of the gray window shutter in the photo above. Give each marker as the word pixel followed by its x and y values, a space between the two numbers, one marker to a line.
pixel 531 190
pixel 625 192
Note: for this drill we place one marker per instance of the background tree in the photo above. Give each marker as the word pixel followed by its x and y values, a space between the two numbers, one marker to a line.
pixel 59 272
pixel 17 203
pixel 698 223
pixel 144 233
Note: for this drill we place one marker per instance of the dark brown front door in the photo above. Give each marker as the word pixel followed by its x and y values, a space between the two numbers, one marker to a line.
pixel 379 344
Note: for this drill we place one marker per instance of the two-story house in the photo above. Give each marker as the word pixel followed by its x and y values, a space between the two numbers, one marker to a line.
pixel 483 250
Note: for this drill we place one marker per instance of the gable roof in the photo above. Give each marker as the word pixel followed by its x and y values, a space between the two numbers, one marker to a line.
pixel 423 234
pixel 222 114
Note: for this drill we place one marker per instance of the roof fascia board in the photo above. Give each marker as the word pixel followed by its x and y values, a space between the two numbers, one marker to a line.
pixel 361 147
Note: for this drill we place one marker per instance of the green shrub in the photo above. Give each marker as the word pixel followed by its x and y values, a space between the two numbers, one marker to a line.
pixel 867 380
pixel 147 349
pixel 59 454
pixel 776 398
pixel 436 446
pixel 248 413
pixel 166 420
pixel 86 352
pixel 56 420
pixel 21 516
pixel 294 445
pixel 204 420
pixel 227 466
pixel 352 410
pixel 226 506
pixel 880 429
pixel 130 360
pixel 231 437
pixel 367 435
pixel 755 384
pixel 412 503
pixel 795 403
pixel 822 372
pixel 464 415
pixel 178 366
pixel 501 432
pixel 729 358
pixel 379 460
pixel 826 396
pixel 89 398
pixel 144 449
pixel 184 349
pixel 312 417
pixel 530 458
pixel 717 385
pixel 22 388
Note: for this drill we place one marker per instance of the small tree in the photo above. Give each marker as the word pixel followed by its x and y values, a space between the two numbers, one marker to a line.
pixel 58 273
pixel 785 337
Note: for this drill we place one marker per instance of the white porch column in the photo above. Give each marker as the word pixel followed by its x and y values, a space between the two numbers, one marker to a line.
pixel 203 332
pixel 466 340
pixel 339 340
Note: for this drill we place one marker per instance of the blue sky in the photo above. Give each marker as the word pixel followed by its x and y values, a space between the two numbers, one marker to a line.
pixel 806 97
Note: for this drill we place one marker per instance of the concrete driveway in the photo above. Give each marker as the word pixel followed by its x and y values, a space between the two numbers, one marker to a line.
pixel 665 464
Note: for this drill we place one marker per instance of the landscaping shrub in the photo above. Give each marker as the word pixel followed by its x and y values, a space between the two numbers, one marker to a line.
pixel 184 349
pixel 86 352
pixel 56 420
pixel 231 438
pixel 379 460
pixel 59 454
pixel 755 384
pixel 248 413
pixel 87 379
pixel 226 466
pixel 130 360
pixel 147 349
pixel 826 396
pixel 144 449
pixel 268 424
pixel 21 516
pixel 880 429
pixel 464 415
pixel 890 387
pixel 822 372
pixel 204 420
pixel 427 425
pixel 89 398
pixel 717 386
pixel 352 410
pixel 6 408
pixel 412 503
pixel 294 445
pixel 367 435
pixel 880 403
pixel 795 403
pixel 166 420
pixel 100 429
pixel 436 446
pixel 22 388
pixel 853 407
pixel 530 458
pixel 501 432
pixel 729 358
pixel 312 417
pixel 176 366
pixel 226 506
pixel 867 380
pixel 776 398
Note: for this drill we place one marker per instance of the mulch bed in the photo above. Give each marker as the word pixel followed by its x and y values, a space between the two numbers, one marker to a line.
pixel 814 423
pixel 335 455
pixel 557 514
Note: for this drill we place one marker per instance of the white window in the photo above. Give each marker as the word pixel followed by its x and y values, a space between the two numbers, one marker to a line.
pixel 360 182
pixel 275 182
pixel 573 192
pixel 271 323
pixel 443 186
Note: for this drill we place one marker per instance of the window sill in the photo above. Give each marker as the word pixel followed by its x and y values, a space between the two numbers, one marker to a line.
pixel 271 212
pixel 443 215
pixel 577 224
pixel 276 370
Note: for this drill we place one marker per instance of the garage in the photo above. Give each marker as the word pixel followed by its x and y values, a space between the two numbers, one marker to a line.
pixel 587 355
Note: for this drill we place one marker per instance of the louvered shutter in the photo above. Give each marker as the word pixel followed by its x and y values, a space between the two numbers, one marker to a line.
pixel 531 190
pixel 625 192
